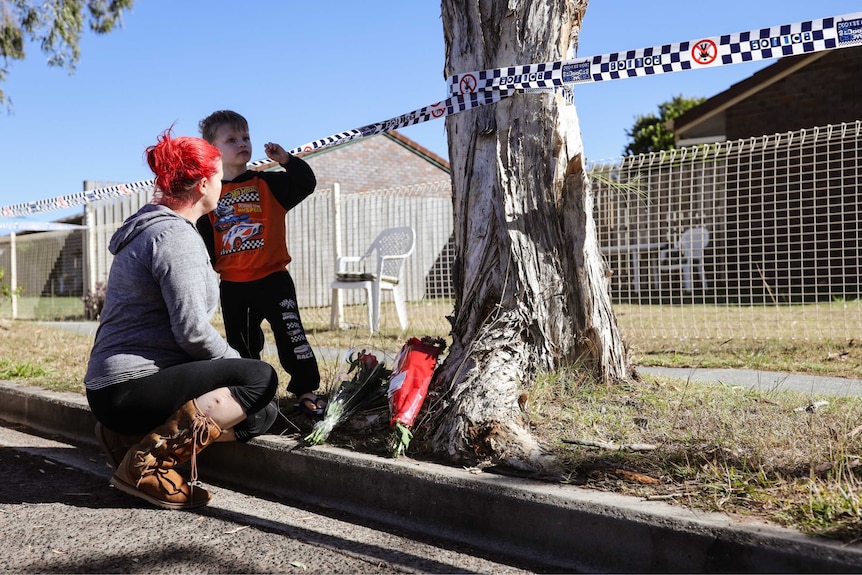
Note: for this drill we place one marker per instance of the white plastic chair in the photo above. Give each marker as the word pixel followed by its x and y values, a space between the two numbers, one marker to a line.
pixel 685 255
pixel 379 269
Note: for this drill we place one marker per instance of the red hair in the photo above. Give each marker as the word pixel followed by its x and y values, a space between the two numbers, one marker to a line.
pixel 179 164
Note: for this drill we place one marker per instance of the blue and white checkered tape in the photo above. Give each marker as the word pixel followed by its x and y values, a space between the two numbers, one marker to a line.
pixel 470 90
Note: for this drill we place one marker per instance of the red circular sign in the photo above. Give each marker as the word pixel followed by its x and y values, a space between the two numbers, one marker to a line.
pixel 704 52
pixel 467 84
pixel 437 110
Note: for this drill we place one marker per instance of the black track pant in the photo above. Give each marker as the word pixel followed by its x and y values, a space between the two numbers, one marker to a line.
pixel 244 307
pixel 140 405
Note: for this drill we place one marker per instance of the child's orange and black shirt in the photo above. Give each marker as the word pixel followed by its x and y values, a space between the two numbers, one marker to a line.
pixel 246 234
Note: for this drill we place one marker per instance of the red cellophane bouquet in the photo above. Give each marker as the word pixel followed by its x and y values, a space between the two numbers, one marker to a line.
pixel 408 387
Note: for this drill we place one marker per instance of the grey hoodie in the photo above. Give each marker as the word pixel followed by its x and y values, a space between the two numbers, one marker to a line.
pixel 161 295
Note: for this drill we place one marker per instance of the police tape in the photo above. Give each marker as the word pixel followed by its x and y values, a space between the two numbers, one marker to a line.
pixel 471 90
pixel 24 226
pixel 754 45
pixel 72 200
pixel 453 105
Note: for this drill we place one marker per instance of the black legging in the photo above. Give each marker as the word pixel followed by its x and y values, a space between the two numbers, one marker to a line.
pixel 140 405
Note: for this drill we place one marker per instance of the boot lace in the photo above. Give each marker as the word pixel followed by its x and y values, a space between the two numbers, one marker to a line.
pixel 200 436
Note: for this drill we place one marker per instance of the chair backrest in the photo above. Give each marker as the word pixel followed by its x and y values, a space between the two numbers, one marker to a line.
pixel 692 243
pixel 393 246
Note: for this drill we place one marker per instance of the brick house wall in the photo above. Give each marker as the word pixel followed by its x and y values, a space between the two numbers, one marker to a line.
pixel 388 160
pixel 827 91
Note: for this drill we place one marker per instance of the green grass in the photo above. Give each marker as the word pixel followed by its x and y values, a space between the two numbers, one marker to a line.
pixel 26 370
pixel 45 308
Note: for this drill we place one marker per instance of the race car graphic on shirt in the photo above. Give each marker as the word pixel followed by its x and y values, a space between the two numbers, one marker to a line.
pixel 239 234
pixel 237 220
pixel 226 218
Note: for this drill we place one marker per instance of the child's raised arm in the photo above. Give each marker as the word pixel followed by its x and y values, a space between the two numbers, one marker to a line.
pixel 276 153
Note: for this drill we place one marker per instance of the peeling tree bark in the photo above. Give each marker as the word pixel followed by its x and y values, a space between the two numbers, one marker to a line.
pixel 530 284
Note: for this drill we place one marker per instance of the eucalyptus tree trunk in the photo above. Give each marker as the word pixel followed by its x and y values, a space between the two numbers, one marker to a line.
pixel 530 284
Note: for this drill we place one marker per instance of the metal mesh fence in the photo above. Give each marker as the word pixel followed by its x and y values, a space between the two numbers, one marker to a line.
pixel 48 271
pixel 756 238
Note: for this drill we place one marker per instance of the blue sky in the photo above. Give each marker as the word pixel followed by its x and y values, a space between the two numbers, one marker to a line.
pixel 300 71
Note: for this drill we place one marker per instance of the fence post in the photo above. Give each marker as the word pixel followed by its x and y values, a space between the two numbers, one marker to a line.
pixel 90 252
pixel 336 314
pixel 13 276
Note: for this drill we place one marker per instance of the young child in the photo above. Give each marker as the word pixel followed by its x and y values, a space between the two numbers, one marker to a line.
pixel 246 238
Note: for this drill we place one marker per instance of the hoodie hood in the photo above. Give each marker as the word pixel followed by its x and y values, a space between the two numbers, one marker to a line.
pixel 149 215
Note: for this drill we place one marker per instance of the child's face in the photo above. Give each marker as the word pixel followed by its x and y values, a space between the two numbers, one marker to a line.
pixel 234 145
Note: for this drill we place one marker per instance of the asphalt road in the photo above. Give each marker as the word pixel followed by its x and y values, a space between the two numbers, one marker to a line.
pixel 59 515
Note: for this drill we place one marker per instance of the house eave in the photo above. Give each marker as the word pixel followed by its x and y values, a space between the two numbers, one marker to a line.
pixel 718 105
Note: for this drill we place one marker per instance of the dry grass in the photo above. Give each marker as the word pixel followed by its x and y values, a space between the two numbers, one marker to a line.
pixel 714 447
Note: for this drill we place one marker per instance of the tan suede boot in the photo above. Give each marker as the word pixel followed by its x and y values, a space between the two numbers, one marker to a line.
pixel 147 469
pixel 115 445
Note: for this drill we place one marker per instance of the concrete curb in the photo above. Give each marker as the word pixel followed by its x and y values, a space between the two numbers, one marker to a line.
pixel 557 527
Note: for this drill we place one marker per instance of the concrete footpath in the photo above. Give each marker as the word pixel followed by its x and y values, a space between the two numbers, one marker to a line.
pixel 561 527
pixel 813 385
